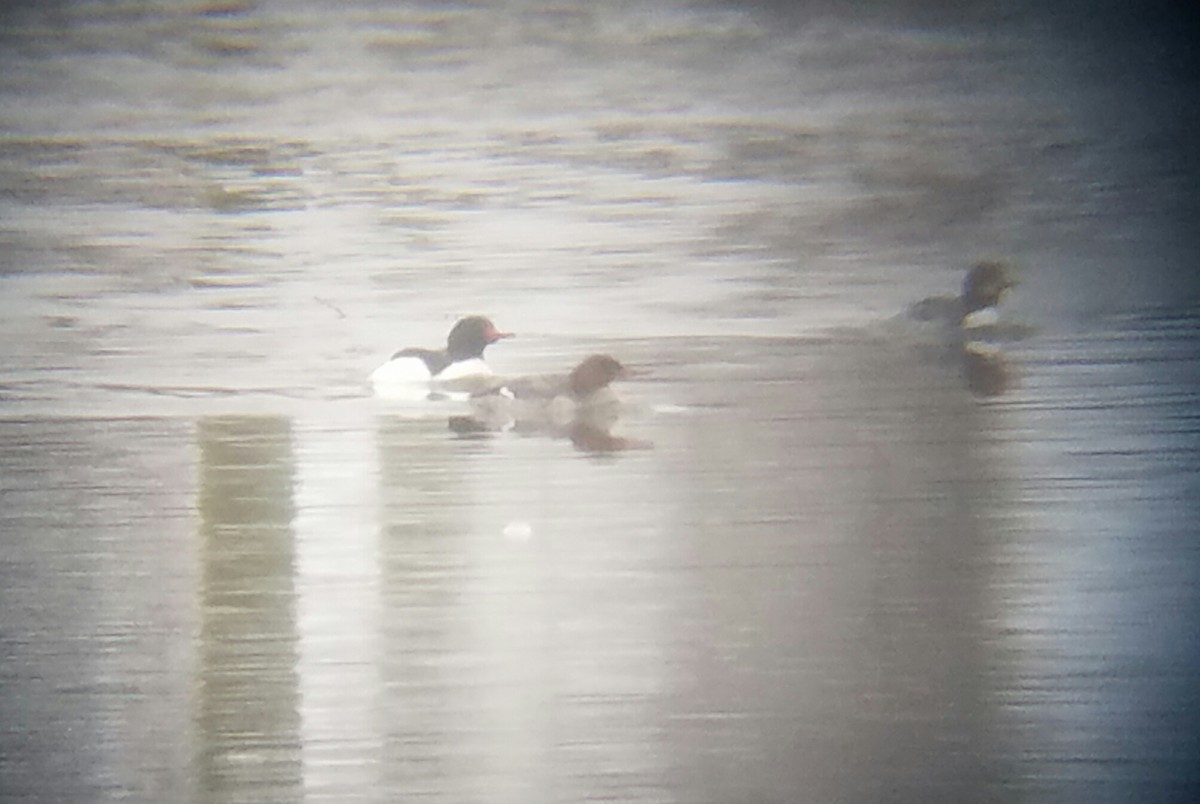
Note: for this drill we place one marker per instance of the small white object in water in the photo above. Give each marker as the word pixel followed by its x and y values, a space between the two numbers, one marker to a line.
pixel 987 317
pixel 518 531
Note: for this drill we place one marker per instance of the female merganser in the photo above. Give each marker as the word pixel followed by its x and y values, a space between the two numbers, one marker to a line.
pixel 983 289
pixel 462 357
pixel 581 402
pixel 586 385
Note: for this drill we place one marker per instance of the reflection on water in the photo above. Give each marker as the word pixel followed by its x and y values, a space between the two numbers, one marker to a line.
pixel 588 431
pixel 1092 596
pixel 836 633
pixel 247 704
pixel 838 571
pixel 98 608
pixel 526 604
pixel 862 560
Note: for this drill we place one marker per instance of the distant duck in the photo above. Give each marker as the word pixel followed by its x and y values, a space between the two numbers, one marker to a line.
pixel 971 328
pixel 983 289
pixel 547 398
pixel 589 383
pixel 580 405
pixel 416 368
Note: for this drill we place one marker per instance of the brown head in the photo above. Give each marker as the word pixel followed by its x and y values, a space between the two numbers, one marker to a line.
pixel 470 336
pixel 985 285
pixel 594 373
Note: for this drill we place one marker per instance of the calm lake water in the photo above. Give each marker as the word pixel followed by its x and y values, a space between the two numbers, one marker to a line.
pixel 830 570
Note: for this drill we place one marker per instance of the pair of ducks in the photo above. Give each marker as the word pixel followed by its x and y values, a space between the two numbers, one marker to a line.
pixel 496 402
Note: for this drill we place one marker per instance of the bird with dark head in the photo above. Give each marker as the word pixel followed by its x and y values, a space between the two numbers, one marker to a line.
pixel 554 403
pixel 470 336
pixel 462 358
pixel 986 285
pixel 983 288
pixel 594 374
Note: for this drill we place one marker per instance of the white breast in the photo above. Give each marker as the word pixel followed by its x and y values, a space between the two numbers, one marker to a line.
pixel 464 368
pixel 408 378
pixel 401 371
pixel 987 317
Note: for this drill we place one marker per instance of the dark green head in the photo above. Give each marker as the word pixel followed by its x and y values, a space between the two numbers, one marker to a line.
pixel 986 284
pixel 470 336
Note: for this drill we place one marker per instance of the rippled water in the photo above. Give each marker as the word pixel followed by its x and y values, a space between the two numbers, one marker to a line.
pixel 830 571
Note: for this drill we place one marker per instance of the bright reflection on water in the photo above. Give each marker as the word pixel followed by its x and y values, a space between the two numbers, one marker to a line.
pixel 838 563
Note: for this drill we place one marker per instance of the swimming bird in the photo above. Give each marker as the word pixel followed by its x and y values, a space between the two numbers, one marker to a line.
pixel 983 289
pixel 462 358
pixel 587 384
pixel 580 405
pixel 970 327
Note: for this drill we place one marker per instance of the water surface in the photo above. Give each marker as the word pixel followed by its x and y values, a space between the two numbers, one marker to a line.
pixel 830 571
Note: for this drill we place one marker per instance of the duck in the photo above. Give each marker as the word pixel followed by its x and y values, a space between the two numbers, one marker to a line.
pixel 588 384
pixel 461 360
pixel 983 289
pixel 970 328
pixel 580 405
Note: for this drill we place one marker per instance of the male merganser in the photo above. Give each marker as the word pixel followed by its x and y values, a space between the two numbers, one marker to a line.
pixel 580 405
pixel 983 289
pixel 462 357
pixel 971 327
